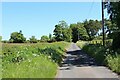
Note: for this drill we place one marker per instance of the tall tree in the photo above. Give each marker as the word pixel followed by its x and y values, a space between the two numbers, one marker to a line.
pixel 62 32
pixel 63 24
pixel 92 27
pixel 113 9
pixel 67 34
pixel 17 37
pixel 110 28
pixel 78 32
pixel 50 36
pixel 74 29
pixel 58 32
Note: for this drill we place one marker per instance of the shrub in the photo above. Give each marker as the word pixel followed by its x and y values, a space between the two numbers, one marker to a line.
pixel 104 56
pixel 113 61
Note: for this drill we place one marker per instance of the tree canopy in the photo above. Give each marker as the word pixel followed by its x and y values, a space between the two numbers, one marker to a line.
pixel 80 31
pixel 62 32
pixel 44 38
pixel 113 9
pixel 17 37
pixel 33 39
pixel 92 27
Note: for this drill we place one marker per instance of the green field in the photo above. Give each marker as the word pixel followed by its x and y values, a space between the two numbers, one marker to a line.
pixel 38 60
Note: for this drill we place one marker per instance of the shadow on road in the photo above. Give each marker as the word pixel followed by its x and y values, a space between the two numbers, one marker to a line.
pixel 78 58
pixel 78 64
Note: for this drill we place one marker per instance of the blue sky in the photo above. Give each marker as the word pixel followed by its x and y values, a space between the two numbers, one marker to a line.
pixel 39 18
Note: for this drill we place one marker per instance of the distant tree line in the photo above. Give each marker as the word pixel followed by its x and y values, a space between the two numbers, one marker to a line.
pixel 87 30
pixel 18 37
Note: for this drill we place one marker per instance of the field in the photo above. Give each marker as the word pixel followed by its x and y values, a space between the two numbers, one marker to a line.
pixel 103 55
pixel 38 60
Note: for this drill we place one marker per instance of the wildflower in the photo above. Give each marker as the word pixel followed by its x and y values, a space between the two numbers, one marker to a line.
pixel 49 57
pixel 29 60
pixel 35 55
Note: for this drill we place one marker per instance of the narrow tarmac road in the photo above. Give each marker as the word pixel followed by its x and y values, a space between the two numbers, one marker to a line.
pixel 77 64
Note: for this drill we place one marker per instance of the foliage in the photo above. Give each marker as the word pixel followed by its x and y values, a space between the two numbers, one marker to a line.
pixel 78 32
pixel 17 37
pixel 50 36
pixel 5 41
pixel 67 34
pixel 33 39
pixel 32 60
pixel 74 29
pixel 103 56
pixel 95 51
pixel 92 27
pixel 113 61
pixel 116 41
pixel 38 67
pixel 44 38
pixel 0 38
pixel 113 9
pixel 58 33
pixel 62 32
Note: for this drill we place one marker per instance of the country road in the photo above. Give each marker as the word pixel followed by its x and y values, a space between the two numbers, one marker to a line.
pixel 77 64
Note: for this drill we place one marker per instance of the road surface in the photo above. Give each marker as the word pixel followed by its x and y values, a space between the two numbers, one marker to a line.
pixel 77 64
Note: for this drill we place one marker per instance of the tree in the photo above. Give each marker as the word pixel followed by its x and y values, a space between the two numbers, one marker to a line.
pixel 44 38
pixel 74 29
pixel 17 37
pixel 50 36
pixel 58 33
pixel 62 32
pixel 63 24
pixel 67 34
pixel 113 9
pixel 78 32
pixel 33 39
pixel 111 27
pixel 82 33
pixel 92 27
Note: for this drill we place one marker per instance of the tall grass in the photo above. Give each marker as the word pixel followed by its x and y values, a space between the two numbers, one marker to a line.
pixel 113 62
pixel 103 55
pixel 32 60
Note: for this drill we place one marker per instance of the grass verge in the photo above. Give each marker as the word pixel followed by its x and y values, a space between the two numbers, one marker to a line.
pixel 32 60
pixel 103 55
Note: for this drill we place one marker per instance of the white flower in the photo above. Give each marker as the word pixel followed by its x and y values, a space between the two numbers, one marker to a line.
pixel 34 54
pixel 29 60
pixel 49 56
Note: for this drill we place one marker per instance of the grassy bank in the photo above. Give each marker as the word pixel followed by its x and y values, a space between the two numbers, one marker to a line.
pixel 32 60
pixel 104 56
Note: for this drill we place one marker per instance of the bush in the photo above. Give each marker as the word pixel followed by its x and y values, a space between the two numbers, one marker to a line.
pixel 95 51
pixel 113 61
pixel 104 56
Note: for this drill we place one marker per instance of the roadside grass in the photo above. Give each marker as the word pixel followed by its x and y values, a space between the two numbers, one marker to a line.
pixel 32 60
pixel 113 62
pixel 37 67
pixel 103 55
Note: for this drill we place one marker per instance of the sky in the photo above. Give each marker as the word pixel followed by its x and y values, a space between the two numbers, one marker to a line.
pixel 39 18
